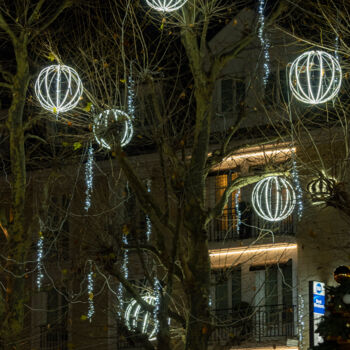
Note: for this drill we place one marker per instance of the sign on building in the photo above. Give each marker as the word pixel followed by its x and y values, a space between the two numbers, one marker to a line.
pixel 317 303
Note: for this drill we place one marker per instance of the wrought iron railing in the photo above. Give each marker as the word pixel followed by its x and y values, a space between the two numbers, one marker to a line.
pixel 229 227
pixel 53 337
pixel 253 324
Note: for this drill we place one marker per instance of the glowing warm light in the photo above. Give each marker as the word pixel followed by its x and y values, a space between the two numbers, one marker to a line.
pixel 133 318
pixel 261 249
pixel 58 88
pixel 112 125
pixel 273 198
pixel 262 153
pixel 166 5
pixel 315 77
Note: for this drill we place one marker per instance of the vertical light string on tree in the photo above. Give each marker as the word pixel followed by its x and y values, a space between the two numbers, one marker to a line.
pixel 89 175
pixel 148 221
pixel 39 259
pixel 157 290
pixel 238 211
pixel 301 322
pixel 265 44
pixel 131 95
pixel 90 289
pixel 125 272
pixel 297 188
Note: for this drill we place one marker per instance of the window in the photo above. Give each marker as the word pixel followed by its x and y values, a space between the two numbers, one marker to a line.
pixel 228 220
pixel 227 288
pixel 233 95
pixel 276 89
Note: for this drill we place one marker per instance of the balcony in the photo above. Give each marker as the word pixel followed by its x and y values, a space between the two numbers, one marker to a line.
pixel 229 228
pixel 254 324
pixel 54 337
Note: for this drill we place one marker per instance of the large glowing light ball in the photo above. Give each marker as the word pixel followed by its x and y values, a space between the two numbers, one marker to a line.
pixel 315 77
pixel 58 88
pixel 139 319
pixel 166 5
pixel 273 198
pixel 112 125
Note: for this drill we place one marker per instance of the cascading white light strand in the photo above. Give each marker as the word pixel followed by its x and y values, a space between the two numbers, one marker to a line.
pixel 90 290
pixel 166 5
pixel 58 88
pixel 148 220
pixel 131 96
pixel 315 77
pixel 298 190
pixel 89 177
pixel 265 43
pixel 157 293
pixel 39 259
pixel 125 272
pixel 301 322
pixel 273 198
pixel 238 211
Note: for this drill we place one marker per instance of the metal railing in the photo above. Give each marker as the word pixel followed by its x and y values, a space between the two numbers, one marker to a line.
pixel 54 337
pixel 253 324
pixel 229 227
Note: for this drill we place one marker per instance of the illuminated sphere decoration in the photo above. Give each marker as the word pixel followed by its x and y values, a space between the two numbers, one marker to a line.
pixel 166 5
pixel 138 319
pixel 58 88
pixel 112 125
pixel 321 189
pixel 315 77
pixel 273 198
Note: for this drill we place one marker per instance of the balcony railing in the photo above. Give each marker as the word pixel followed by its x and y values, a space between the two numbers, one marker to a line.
pixel 254 324
pixel 249 225
pixel 54 337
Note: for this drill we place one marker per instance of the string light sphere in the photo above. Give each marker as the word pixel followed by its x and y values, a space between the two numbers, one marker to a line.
pixel 112 125
pixel 166 5
pixel 58 88
pixel 315 77
pixel 273 198
pixel 136 318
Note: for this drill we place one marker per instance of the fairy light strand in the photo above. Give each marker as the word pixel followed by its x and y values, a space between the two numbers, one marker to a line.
pixel 39 259
pixel 148 220
pixel 298 190
pixel 125 272
pixel 238 211
pixel 265 44
pixel 157 295
pixel 90 290
pixel 131 96
pixel 89 176
pixel 301 322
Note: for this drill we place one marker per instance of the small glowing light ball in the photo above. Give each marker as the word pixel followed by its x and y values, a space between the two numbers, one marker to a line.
pixel 112 125
pixel 166 5
pixel 321 189
pixel 273 198
pixel 315 77
pixel 346 299
pixel 58 88
pixel 136 318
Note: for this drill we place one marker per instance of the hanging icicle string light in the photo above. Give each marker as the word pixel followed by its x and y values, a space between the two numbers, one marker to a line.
pixel 298 189
pixel 166 5
pixel 238 211
pixel 157 293
pixel 39 259
pixel 265 43
pixel 131 96
pixel 301 322
pixel 315 77
pixel 125 272
pixel 90 290
pixel 58 88
pixel 89 175
pixel 148 221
